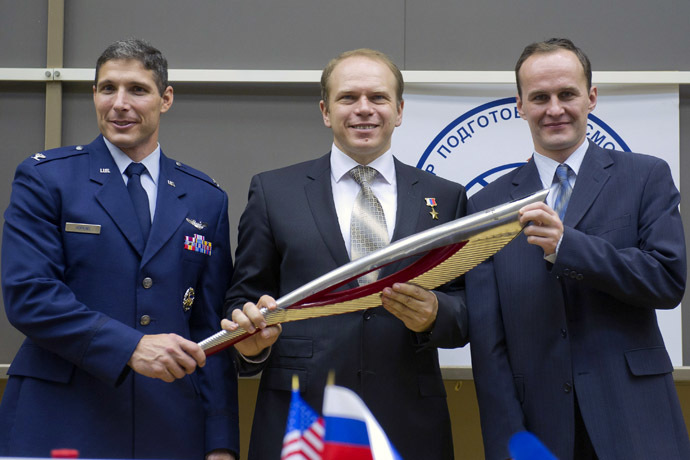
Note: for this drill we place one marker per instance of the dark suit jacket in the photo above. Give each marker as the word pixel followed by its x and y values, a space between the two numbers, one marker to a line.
pixel 587 324
pixel 289 235
pixel 81 300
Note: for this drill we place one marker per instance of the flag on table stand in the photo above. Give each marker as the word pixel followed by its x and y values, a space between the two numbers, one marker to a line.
pixel 352 432
pixel 304 432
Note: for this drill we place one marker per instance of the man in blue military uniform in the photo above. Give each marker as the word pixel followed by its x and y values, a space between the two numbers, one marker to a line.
pixel 115 260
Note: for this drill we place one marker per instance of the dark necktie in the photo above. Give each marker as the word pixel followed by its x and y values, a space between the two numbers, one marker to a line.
pixel 368 230
pixel 139 197
pixel 563 191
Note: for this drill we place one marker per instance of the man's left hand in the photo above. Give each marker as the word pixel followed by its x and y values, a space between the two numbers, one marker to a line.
pixel 414 306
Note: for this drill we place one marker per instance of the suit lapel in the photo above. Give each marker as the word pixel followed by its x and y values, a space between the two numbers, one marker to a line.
pixel 113 194
pixel 526 181
pixel 320 198
pixel 170 210
pixel 407 214
pixel 588 184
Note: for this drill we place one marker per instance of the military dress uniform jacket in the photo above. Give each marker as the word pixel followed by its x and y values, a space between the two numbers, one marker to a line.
pixel 542 333
pixel 85 295
pixel 288 235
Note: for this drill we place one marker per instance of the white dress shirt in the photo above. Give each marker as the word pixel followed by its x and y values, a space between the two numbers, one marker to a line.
pixel 345 189
pixel 149 180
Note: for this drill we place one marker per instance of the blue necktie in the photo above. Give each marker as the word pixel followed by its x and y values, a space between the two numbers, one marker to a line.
pixel 139 197
pixel 563 191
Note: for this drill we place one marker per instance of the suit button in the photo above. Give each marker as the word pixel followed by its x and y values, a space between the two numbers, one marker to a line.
pixel 147 282
pixel 367 315
pixel 567 387
pixel 145 320
pixel 564 333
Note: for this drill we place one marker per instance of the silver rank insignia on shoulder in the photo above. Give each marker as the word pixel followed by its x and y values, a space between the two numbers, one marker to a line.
pixel 431 202
pixel 38 157
pixel 197 225
pixel 171 183
pixel 105 170
pixel 188 299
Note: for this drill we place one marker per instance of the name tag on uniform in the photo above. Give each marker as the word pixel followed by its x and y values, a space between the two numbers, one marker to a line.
pixel 94 229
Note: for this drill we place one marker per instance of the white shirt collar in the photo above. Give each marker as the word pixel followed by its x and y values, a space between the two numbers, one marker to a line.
pixel 341 164
pixel 152 160
pixel 547 166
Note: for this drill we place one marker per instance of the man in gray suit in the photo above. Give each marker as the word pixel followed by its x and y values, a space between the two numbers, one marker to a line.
pixel 565 341
pixel 300 223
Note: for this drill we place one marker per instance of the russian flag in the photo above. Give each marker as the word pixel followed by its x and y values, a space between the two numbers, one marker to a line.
pixel 352 432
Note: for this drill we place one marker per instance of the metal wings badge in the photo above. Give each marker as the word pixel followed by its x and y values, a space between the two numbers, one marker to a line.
pixel 450 250
pixel 195 224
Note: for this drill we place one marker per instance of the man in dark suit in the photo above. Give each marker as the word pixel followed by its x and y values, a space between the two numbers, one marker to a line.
pixel 565 341
pixel 300 222
pixel 114 287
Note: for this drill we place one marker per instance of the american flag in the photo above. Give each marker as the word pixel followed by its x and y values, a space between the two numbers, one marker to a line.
pixel 304 432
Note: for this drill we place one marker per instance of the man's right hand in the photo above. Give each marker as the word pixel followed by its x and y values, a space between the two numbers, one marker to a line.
pixel 166 357
pixel 251 320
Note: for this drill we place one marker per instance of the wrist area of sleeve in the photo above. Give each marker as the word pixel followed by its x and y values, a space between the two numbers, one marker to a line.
pixel 552 257
pixel 256 359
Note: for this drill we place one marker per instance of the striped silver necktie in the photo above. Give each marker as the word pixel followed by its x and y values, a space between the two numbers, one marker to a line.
pixel 368 230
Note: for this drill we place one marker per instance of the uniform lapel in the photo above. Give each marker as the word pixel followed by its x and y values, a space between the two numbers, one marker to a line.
pixel 588 184
pixel 113 194
pixel 170 209
pixel 320 198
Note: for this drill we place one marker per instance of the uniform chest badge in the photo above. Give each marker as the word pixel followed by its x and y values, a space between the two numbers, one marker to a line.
pixel 197 225
pixel 188 299
pixel 198 243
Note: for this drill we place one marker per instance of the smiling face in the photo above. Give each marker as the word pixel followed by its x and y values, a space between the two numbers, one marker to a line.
pixel 129 106
pixel 555 102
pixel 362 108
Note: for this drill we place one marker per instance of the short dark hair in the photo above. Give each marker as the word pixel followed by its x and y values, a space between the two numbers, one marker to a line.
pixel 367 53
pixel 142 51
pixel 549 46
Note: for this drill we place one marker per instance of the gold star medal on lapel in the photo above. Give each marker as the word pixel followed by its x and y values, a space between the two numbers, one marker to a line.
pixel 431 202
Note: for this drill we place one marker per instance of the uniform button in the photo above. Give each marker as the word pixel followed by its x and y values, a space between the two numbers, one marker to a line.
pixel 147 282
pixel 145 320
pixel 367 315
pixel 79 147
pixel 566 272
pixel 564 333
pixel 573 275
pixel 579 277
pixel 567 387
